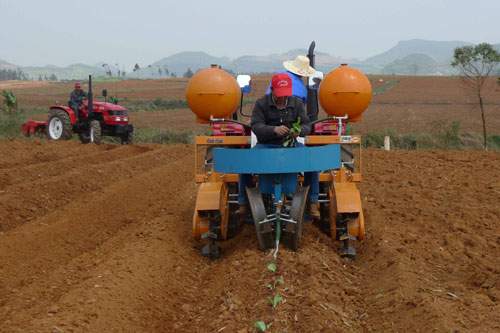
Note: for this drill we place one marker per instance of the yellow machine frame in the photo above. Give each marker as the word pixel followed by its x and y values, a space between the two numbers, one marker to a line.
pixel 343 196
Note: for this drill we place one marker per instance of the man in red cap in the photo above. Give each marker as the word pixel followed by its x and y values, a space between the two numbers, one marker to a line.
pixel 274 114
pixel 76 99
pixel 272 118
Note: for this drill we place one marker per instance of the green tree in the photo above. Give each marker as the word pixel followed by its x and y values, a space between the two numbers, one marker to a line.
pixel 188 74
pixel 475 64
pixel 136 67
pixel 9 103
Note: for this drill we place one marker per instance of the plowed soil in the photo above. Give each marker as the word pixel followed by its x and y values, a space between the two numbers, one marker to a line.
pixel 98 238
pixel 411 106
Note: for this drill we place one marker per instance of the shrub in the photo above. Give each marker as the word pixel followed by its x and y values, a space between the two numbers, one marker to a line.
pixel 11 128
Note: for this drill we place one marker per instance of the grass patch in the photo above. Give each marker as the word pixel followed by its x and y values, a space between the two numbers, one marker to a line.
pixel 11 127
pixel 494 141
pixel 34 110
pixel 387 86
pixel 144 105
pixel 446 136
pixel 164 136
pixel 106 79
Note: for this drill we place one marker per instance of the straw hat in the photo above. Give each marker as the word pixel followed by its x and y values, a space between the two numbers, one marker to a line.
pixel 299 66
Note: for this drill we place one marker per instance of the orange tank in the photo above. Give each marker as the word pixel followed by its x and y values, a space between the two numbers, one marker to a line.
pixel 345 91
pixel 212 92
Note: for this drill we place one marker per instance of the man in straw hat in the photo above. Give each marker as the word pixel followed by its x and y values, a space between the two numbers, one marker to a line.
pixel 272 117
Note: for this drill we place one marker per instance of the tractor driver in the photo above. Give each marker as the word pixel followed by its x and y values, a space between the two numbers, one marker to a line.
pixel 272 117
pixel 76 99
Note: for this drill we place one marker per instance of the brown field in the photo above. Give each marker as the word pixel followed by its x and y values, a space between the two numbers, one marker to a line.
pixel 409 107
pixel 98 238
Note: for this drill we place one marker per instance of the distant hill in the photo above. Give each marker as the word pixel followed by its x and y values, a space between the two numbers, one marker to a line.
pixel 439 51
pixel 179 63
pixel 6 65
pixel 413 64
pixel 416 56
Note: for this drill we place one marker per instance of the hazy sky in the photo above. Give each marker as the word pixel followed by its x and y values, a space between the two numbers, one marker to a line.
pixel 125 32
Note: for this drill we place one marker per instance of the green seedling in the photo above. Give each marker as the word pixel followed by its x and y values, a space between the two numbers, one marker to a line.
pixel 292 136
pixel 274 301
pixel 261 326
pixel 272 267
pixel 273 286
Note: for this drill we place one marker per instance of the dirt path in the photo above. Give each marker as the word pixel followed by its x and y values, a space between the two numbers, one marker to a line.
pixel 98 238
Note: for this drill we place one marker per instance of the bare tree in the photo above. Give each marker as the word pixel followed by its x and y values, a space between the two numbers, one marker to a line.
pixel 107 69
pixel 475 64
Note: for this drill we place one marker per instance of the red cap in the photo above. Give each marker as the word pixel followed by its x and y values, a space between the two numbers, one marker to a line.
pixel 282 85
pixel 77 85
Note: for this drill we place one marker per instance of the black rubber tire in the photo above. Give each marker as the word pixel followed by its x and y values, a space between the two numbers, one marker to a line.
pixel 59 118
pixel 128 139
pixel 84 136
pixel 95 132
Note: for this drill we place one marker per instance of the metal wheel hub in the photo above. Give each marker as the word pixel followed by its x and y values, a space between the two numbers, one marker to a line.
pixel 56 128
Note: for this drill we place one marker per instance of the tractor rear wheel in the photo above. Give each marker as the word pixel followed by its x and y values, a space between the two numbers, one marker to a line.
pixel 95 132
pixel 59 126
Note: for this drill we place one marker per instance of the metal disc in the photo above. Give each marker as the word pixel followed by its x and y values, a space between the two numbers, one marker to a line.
pixel 259 214
pixel 292 239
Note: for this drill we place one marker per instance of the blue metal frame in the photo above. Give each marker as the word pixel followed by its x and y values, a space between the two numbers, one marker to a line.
pixel 279 160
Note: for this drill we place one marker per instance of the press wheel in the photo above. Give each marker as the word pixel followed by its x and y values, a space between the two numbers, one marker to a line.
pixel 291 236
pixel 264 234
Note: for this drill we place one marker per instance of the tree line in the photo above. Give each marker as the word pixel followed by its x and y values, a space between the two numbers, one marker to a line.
pixel 18 74
pixel 13 74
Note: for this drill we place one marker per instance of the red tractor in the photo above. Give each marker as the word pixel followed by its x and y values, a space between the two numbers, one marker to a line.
pixel 97 119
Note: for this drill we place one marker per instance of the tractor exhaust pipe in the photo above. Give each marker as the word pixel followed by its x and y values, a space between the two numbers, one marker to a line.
pixel 312 95
pixel 90 98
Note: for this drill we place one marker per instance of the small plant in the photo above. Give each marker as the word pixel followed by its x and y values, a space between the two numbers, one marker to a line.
pixel 273 286
pixel 272 267
pixel 261 326
pixel 292 136
pixel 275 300
pixel 113 99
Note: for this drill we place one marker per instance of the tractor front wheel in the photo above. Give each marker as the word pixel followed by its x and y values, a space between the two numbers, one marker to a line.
pixel 84 136
pixel 59 126
pixel 95 132
pixel 128 139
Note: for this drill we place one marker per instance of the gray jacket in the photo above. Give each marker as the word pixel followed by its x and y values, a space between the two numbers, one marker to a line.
pixel 266 116
pixel 77 98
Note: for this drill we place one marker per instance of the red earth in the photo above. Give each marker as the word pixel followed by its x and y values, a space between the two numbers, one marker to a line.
pixel 98 238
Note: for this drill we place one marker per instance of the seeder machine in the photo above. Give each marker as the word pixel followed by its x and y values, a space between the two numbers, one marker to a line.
pixel 278 200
